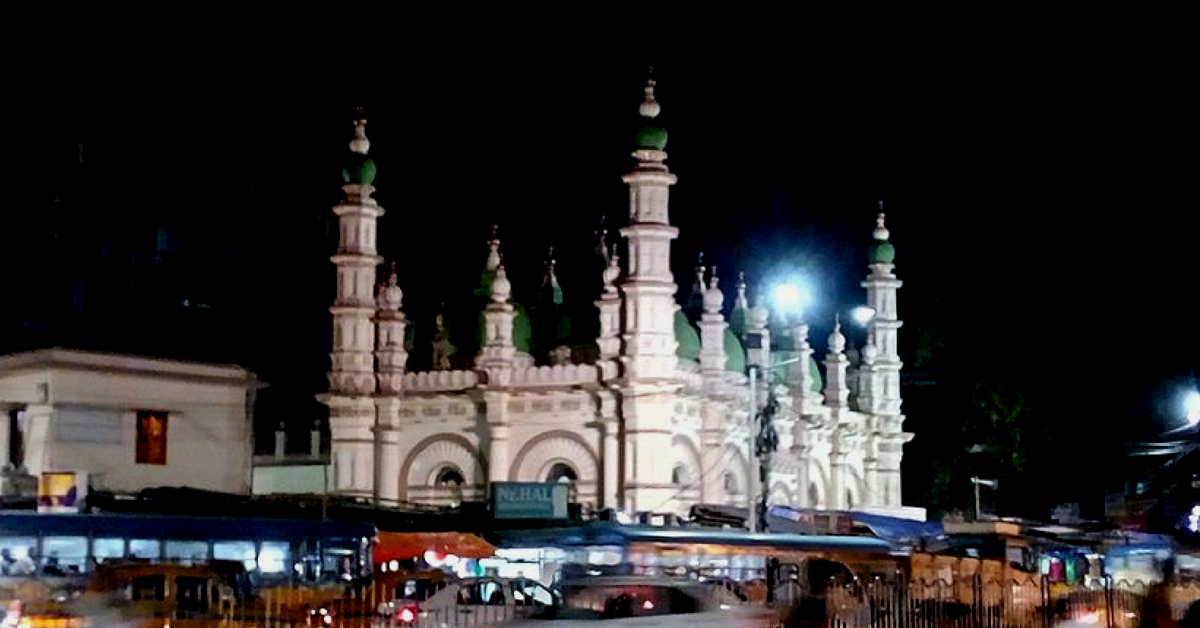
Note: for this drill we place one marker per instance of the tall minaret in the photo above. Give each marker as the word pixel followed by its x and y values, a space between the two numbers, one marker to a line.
pixel 352 376
pixel 649 287
pixel 649 358
pixel 882 373
pixel 881 285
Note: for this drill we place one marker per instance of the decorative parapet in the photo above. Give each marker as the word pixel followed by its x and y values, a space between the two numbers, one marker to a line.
pixel 439 381
pixel 557 375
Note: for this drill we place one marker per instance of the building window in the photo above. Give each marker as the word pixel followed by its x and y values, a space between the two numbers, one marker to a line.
pixel 151 437
pixel 731 484
pixel 451 479
pixel 679 475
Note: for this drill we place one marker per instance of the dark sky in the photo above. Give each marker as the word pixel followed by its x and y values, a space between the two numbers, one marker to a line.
pixel 1032 175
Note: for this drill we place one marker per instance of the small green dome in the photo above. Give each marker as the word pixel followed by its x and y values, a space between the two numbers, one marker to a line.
pixel 358 169
pixel 881 252
pixel 522 330
pixel 651 136
pixel 735 353
pixel 686 337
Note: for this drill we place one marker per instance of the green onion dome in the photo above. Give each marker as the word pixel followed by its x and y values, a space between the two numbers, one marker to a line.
pixel 687 339
pixel 881 251
pixel 651 135
pixel 735 353
pixel 358 169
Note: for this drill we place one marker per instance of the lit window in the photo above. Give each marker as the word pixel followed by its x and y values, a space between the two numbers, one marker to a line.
pixel 151 437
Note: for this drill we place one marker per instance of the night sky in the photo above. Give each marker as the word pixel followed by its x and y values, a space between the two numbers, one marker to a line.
pixel 1033 181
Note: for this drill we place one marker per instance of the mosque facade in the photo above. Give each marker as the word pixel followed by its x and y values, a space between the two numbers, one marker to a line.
pixel 652 417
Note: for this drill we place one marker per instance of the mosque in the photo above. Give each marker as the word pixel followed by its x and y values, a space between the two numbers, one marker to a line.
pixel 651 416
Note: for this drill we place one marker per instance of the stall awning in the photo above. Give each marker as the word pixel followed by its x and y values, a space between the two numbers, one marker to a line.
pixel 406 545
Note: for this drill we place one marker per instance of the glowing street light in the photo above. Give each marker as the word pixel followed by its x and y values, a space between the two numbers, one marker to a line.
pixel 1191 407
pixel 791 298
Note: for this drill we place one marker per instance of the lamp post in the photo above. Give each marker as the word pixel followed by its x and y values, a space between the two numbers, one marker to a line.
pixel 761 439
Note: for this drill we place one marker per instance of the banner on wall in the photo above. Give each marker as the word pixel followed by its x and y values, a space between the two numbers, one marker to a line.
pixel 61 491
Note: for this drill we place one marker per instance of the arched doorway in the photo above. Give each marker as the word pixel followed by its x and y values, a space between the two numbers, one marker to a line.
pixel 563 473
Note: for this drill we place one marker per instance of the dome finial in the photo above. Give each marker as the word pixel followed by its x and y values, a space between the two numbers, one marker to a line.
pixel 713 297
pixel 360 144
pixel 390 295
pixel 612 272
pixel 881 232
pixel 650 106
pixel 698 286
pixel 501 287
pixel 740 302
pixel 493 259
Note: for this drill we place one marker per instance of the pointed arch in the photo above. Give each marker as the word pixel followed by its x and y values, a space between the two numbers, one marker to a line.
pixel 733 467
pixel 855 493
pixel 433 455
pixel 818 480
pixel 685 456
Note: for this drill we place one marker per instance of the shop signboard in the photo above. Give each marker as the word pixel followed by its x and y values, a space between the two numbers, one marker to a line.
pixel 61 491
pixel 529 500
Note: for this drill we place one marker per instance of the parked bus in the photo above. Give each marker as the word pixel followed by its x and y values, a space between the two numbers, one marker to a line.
pixel 273 551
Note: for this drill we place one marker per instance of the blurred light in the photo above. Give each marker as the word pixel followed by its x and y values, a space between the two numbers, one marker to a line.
pixel 1191 406
pixel 407 615
pixel 647 605
pixel 395 564
pixel 792 297
pixel 863 314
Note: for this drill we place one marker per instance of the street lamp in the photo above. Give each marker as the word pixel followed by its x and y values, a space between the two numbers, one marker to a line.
pixel 790 298
pixel 1191 407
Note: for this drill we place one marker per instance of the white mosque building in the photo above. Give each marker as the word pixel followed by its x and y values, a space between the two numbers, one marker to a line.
pixel 652 419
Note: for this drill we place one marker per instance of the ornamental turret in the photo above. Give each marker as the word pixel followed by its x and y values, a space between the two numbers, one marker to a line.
pixel 390 355
pixel 496 356
pixel 712 330
pixel 609 304
pixel 837 389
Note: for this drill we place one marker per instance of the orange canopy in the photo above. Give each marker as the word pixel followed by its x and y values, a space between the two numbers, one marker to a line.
pixel 406 545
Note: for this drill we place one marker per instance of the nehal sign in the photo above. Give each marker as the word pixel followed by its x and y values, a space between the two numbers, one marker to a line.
pixel 529 500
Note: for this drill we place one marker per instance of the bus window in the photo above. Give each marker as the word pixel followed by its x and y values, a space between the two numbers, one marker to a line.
pixel 188 552
pixel 18 556
pixel 108 550
pixel 242 551
pixel 63 555
pixel 145 549
pixel 275 558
